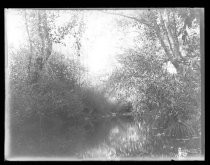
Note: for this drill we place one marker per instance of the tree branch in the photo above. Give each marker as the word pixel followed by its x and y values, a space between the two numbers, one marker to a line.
pixel 142 21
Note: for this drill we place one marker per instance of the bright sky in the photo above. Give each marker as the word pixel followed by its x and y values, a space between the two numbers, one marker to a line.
pixel 101 43
pixel 15 29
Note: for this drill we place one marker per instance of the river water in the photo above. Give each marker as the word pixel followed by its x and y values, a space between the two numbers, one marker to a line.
pixel 73 138
pixel 82 138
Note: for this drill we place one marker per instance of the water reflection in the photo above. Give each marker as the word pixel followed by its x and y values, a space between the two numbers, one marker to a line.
pixel 104 138
pixel 123 139
pixel 74 137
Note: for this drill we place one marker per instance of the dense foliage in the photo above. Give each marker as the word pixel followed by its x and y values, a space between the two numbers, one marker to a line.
pixel 158 83
pixel 168 102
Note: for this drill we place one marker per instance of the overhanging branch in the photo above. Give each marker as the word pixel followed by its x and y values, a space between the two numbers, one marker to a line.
pixel 142 21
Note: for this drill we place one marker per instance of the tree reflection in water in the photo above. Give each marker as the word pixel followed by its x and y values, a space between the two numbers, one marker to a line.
pixel 110 138
pixel 124 139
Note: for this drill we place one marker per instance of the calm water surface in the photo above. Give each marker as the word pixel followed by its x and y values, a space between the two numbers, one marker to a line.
pixel 53 137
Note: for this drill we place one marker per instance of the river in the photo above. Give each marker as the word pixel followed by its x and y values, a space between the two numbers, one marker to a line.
pixel 73 138
pixel 111 137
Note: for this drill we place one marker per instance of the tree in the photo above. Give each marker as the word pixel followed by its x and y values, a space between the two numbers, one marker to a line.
pixel 40 42
pixel 43 32
pixel 171 28
pixel 42 81
pixel 169 104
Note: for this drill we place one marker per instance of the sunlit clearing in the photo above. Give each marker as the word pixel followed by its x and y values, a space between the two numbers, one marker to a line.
pixel 169 67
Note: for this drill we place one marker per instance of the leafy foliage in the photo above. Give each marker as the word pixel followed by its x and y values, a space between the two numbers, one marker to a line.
pixel 167 103
pixel 48 97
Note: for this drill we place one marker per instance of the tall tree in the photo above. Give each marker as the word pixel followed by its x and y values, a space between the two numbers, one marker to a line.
pixel 170 28
pixel 168 103
pixel 43 32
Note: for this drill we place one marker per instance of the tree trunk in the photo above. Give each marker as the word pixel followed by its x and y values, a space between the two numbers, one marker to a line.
pixel 46 46
pixel 47 37
pixel 158 34
pixel 30 44
pixel 165 28
pixel 172 39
